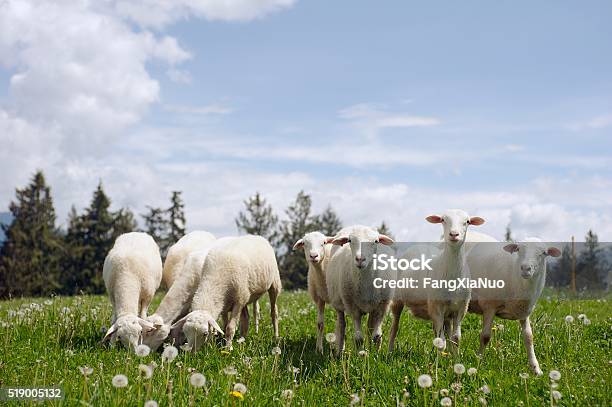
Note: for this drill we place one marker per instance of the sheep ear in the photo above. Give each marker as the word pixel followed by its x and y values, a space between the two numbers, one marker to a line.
pixel 340 240
pixel 553 251
pixel 511 248
pixel 329 239
pixel 179 324
pixel 146 324
pixel 215 325
pixel 298 244
pixel 434 219
pixel 109 333
pixel 476 221
pixel 384 239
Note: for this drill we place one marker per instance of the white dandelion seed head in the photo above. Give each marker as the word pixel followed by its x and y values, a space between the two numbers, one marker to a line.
pixel 554 375
pixel 48 302
pixel 240 388
pixel 85 370
pixel 142 350
pixel 424 381
pixel 186 347
pixel 472 371
pixel 330 337
pixel 439 343
pixel 120 381
pixel 482 400
pixel 294 370
pixel 569 319
pixel 354 399
pixel 459 369
pixel 586 321
pixel 169 353
pixel 444 392
pixel 150 403
pixel 556 395
pixel 446 402
pixel 276 351
pixel 362 353
pixel 554 385
pixel 524 376
pixel 230 370
pixel 146 371
pixel 581 317
pixel 456 387
pixel 287 394
pixel 485 389
pixel 240 340
pixel 197 380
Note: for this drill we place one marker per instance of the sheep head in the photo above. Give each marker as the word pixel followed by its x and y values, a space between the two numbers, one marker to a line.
pixel 128 329
pixel 197 325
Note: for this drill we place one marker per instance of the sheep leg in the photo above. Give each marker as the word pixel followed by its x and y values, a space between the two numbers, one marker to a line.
pixel 437 321
pixel 273 293
pixel 244 322
pixel 357 315
pixel 320 324
pixel 456 328
pixel 144 306
pixel 230 329
pixel 528 340
pixel 375 320
pixel 340 331
pixel 256 316
pixel 396 310
pixel 485 333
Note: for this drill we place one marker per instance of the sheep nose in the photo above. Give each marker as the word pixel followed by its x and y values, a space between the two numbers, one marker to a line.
pixel 360 260
pixel 453 235
pixel 314 257
pixel 525 267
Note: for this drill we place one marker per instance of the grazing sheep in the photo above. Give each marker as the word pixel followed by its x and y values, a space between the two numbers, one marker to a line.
pixel 522 266
pixel 317 251
pixel 180 250
pixel 445 308
pixel 234 275
pixel 132 273
pixel 350 277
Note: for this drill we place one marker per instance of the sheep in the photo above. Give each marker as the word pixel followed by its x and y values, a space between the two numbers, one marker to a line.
pixel 522 266
pixel 180 250
pixel 445 309
pixel 317 251
pixel 234 275
pixel 350 277
pixel 132 273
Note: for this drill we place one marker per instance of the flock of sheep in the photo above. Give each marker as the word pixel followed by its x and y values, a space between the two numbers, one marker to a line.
pixel 210 278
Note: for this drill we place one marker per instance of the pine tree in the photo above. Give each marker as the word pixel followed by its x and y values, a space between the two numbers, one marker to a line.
pixel 560 272
pixel 383 229
pixel 588 268
pixel 258 218
pixel 328 222
pixel 156 224
pixel 299 222
pixel 176 220
pixel 508 235
pixel 124 222
pixel 29 258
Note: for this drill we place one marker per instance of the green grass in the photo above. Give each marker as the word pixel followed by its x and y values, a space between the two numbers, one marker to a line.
pixel 46 348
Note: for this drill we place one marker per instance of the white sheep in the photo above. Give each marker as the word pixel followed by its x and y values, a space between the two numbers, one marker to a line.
pixel 317 251
pixel 132 273
pixel 234 275
pixel 446 309
pixel 350 277
pixel 522 267
pixel 180 250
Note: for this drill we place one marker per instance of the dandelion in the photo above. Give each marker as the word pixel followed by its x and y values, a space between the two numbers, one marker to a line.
pixel 142 350
pixel 556 395
pixel 446 401
pixel 276 351
pixel 524 376
pixel 85 370
pixel 240 340
pixel 169 353
pixel 456 387
pixel 48 302
pixel 287 394
pixel 294 370
pixel 237 395
pixel 472 371
pixel 554 385
pixel 186 347
pixel 444 392
pixel 120 381
pixel 230 370
pixel 424 381
pixel 482 400
pixel 362 353
pixel 150 403
pixel 485 389
pixel 146 371
pixel 197 380
pixel 354 399
pixel 459 369
pixel 554 375
pixel 330 337
pixel 439 343
pixel 586 321
pixel 569 319
pixel 501 327
pixel 581 317
pixel 240 388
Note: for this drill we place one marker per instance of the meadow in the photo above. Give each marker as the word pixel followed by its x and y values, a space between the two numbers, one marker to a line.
pixel 48 342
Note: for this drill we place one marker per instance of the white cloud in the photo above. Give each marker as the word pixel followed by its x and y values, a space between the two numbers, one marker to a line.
pixel 594 123
pixel 179 75
pixel 203 110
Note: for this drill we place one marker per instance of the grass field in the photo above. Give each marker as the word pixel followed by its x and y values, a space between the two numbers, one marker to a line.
pixel 45 344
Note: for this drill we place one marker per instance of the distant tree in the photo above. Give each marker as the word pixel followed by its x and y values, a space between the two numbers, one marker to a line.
pixel 508 234
pixel 124 222
pixel 29 258
pixel 559 274
pixel 156 224
pixel 258 218
pixel 299 221
pixel 384 230
pixel 328 222
pixel 589 271
pixel 176 220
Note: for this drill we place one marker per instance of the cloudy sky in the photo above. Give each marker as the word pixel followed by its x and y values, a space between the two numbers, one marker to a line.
pixel 394 113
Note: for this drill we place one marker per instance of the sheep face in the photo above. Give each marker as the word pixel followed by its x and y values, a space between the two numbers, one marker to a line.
pixel 128 329
pixel 153 338
pixel 313 244
pixel 531 256
pixel 196 326
pixel 455 223
pixel 364 243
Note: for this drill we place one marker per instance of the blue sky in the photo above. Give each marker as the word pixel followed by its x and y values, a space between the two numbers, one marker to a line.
pixel 392 112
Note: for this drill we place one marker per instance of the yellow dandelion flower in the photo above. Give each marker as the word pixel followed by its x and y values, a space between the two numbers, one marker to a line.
pixel 444 353
pixel 225 352
pixel 237 394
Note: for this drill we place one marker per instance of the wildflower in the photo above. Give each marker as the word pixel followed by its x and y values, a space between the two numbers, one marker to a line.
pixel 444 353
pixel 276 351
pixel 330 337
pixel 554 375
pixel 354 399
pixel 225 352
pixel 120 381
pixel 236 394
pixel 482 400
pixel 84 318
pixel 581 317
pixel 444 392
pixel 524 376
pixel 294 370
pixel 446 401
pixel 456 387
pixel 69 352
pixel 554 385
pixel 586 321
pixel 197 380
pixel 569 319
pixel 240 388
pixel 48 302
pixel 146 371
pixel 230 370
pixel 439 343
pixel 240 340
pixel 501 327
pixel 556 395
pixel 247 360
pixel 169 353
pixel 472 371
pixel 150 403
pixel 459 369
pixel 424 380
pixel 142 350
pixel 287 394
pixel 485 389
pixel 362 353
pixel 86 371
pixel 186 347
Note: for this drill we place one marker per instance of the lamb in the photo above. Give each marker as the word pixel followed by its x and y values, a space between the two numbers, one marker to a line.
pixel 132 273
pixel 350 279
pixel 180 250
pixel 235 274
pixel 522 266
pixel 317 251
pixel 446 309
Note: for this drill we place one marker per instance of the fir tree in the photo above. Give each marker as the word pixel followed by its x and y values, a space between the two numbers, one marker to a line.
pixel 328 222
pixel 176 220
pixel 383 229
pixel 258 218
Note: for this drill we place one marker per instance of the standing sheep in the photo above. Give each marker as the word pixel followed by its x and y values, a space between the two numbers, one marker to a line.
pixel 132 273
pixel 180 250
pixel 350 279
pixel 317 251
pixel 522 267
pixel 234 275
